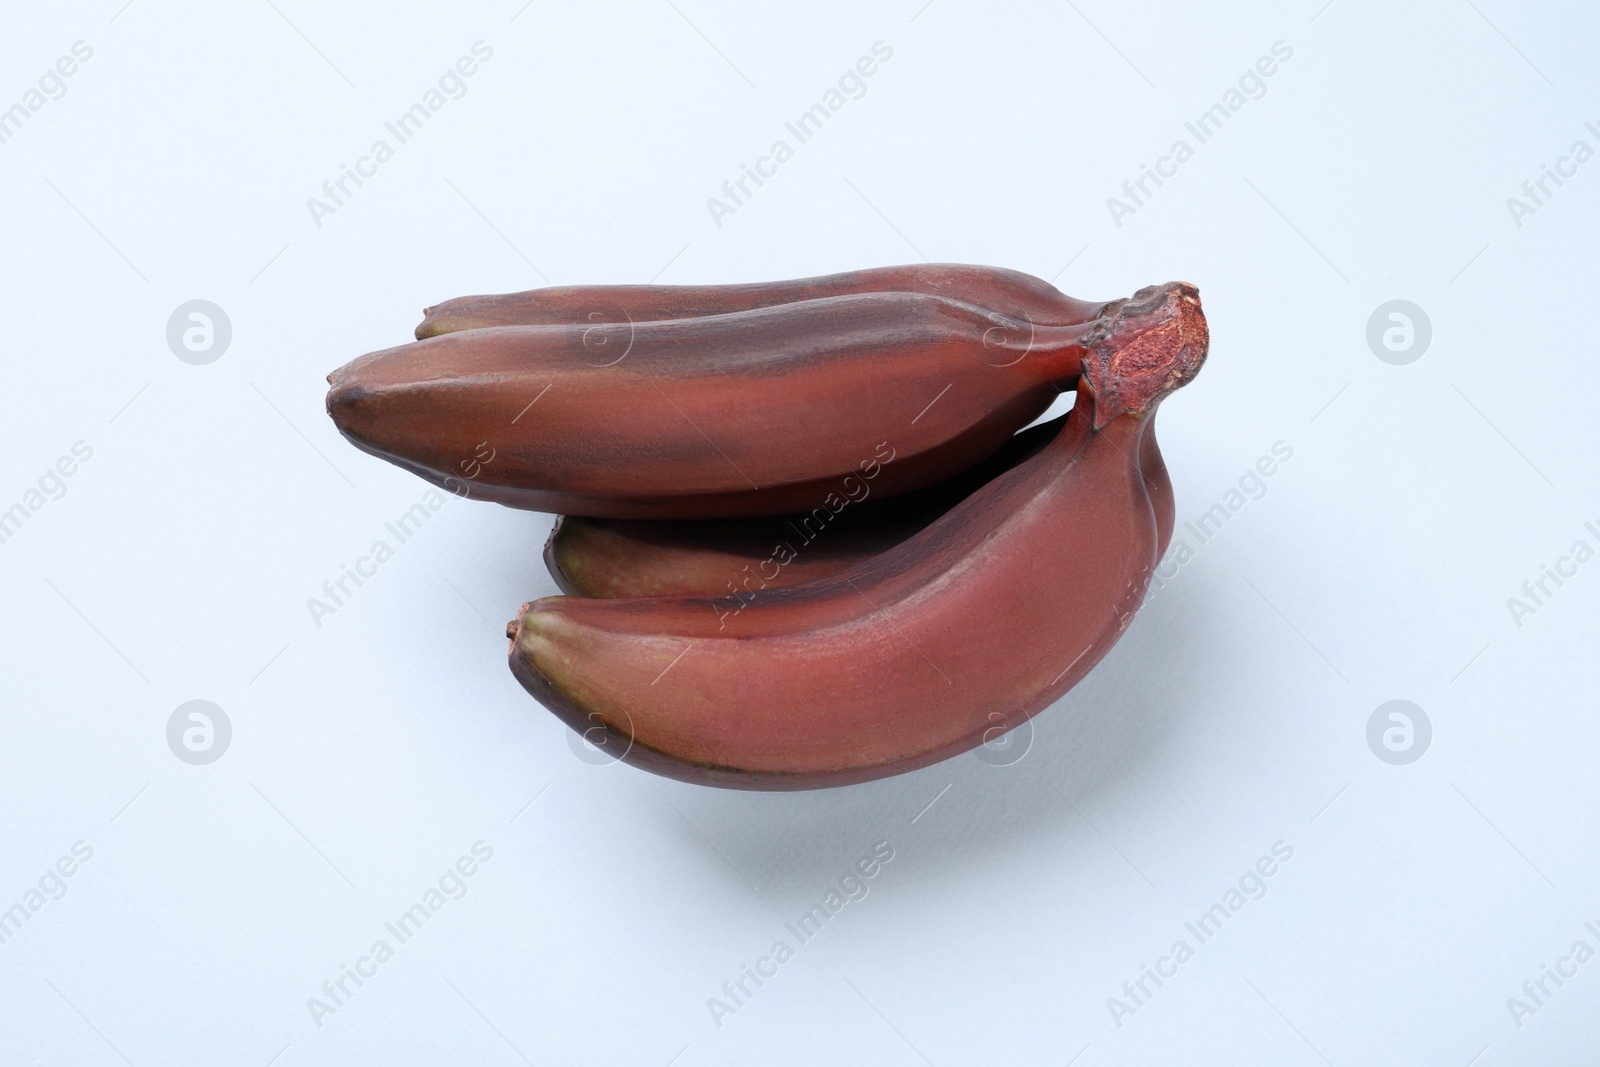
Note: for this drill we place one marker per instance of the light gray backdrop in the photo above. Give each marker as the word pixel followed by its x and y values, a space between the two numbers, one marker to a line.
pixel 192 890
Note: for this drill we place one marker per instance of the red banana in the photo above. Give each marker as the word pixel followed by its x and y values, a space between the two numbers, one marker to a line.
pixel 981 620
pixel 738 557
pixel 1008 292
pixel 757 412
pixel 715 557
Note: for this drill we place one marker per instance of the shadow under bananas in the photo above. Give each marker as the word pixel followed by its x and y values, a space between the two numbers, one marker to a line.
pixel 979 808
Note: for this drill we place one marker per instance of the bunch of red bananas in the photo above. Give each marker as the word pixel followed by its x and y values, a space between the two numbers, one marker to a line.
pixel 804 541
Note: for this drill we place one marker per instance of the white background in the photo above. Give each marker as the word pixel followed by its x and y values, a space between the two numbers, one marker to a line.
pixel 369 752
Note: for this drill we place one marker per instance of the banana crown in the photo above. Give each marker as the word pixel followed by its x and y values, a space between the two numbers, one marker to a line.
pixel 1144 347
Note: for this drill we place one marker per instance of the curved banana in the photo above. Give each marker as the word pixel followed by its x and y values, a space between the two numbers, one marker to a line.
pixel 758 412
pixel 735 557
pixel 985 617
pixel 615 558
pixel 738 557
pixel 1008 292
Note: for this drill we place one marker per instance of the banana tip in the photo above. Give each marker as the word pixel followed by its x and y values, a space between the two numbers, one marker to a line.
pixel 425 329
pixel 514 627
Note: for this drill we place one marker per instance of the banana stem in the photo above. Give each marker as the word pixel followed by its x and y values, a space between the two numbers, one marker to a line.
pixel 1143 348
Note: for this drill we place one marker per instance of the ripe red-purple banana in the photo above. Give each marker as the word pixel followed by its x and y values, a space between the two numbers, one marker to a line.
pixel 983 619
pixel 1007 292
pixel 690 557
pixel 758 412
pixel 616 558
